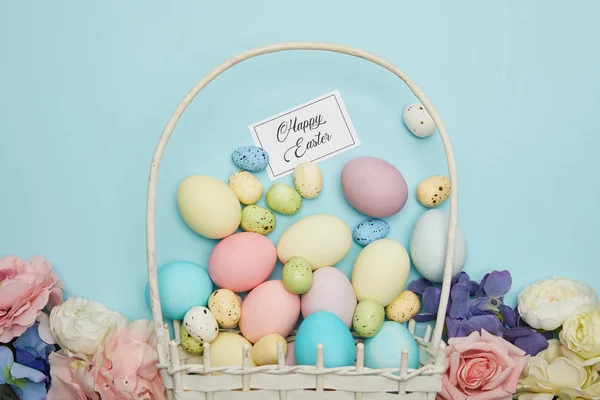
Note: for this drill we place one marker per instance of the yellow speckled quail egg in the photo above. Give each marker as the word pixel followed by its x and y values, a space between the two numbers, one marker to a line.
pixel 433 191
pixel 418 121
pixel 201 324
pixel 246 187
pixel 190 344
pixel 406 306
pixel 258 220
pixel 308 180
pixel 226 307
pixel 264 352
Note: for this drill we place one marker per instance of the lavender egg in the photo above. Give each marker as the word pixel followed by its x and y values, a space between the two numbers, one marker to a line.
pixel 250 158
pixel 371 230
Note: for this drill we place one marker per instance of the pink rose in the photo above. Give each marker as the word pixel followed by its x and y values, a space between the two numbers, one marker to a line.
pixel 71 377
pixel 125 367
pixel 26 287
pixel 481 367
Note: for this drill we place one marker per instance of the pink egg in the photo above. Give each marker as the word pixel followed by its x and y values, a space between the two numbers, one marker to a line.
pixel 269 308
pixel 331 291
pixel 290 359
pixel 242 261
pixel 374 186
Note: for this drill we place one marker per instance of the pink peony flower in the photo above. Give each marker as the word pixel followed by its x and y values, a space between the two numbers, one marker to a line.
pixel 125 367
pixel 71 377
pixel 26 287
pixel 481 367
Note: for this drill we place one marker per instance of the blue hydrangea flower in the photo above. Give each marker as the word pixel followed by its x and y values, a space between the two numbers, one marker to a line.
pixel 27 383
pixel 33 352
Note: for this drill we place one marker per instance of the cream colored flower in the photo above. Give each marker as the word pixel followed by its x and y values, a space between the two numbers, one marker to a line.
pixel 556 372
pixel 547 303
pixel 581 333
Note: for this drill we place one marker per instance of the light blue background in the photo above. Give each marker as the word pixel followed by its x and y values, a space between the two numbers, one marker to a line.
pixel 87 87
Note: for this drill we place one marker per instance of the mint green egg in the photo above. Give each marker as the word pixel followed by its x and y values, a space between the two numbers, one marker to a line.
pixel 190 344
pixel 297 275
pixel 283 199
pixel 368 318
pixel 258 220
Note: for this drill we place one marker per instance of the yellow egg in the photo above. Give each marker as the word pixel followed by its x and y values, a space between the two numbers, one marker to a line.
pixel 264 352
pixel 433 191
pixel 322 240
pixel 226 350
pixel 246 187
pixel 209 206
pixel 226 308
pixel 406 306
pixel 380 271
pixel 308 179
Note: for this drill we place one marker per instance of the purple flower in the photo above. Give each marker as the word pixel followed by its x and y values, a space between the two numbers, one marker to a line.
pixel 25 382
pixel 33 352
pixel 522 335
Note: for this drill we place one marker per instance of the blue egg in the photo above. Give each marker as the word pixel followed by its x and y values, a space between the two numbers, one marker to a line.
pixel 181 286
pixel 371 230
pixel 384 350
pixel 250 158
pixel 325 328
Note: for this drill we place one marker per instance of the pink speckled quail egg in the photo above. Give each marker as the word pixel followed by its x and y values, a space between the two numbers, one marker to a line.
pixel 201 324
pixel 418 120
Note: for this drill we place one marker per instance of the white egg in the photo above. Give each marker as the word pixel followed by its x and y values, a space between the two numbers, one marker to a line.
pixel 201 324
pixel 418 120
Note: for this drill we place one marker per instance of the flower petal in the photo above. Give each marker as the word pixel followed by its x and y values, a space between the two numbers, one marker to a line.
pixel 419 285
pixel 532 344
pixel 473 288
pixel 425 317
pixel 462 277
pixel 33 390
pixel 474 324
pixel 452 326
pixel 19 371
pixel 497 284
pixel 509 316
pixel 431 298
pixel 481 292
pixel 481 306
pixel 460 301
pixel 566 373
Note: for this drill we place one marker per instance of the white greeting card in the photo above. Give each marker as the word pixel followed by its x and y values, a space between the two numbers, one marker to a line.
pixel 311 132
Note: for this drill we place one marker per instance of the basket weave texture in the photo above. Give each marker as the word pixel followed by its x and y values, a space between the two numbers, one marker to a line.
pixel 191 377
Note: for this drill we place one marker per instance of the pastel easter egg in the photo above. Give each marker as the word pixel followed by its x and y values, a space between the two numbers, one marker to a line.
pixel 188 343
pixel 331 291
pixel 283 199
pixel 227 350
pixel 433 191
pixel 264 352
pixel 226 308
pixel 384 350
pixel 418 121
pixel 246 187
pixel 297 275
pixel 380 271
pixel 406 306
pixel 327 329
pixel 250 158
pixel 181 286
pixel 371 230
pixel 320 239
pixel 209 206
pixel 374 187
pixel 269 308
pixel 242 261
pixel 290 358
pixel 258 220
pixel 368 318
pixel 428 244
pixel 308 180
pixel 201 324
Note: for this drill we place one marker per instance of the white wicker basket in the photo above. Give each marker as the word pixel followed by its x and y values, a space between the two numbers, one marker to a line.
pixel 187 377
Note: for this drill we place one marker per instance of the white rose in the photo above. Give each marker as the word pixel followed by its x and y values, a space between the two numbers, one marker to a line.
pixel 547 304
pixel 81 325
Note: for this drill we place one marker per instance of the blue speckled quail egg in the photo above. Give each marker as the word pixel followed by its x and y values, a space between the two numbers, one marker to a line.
pixel 250 158
pixel 371 230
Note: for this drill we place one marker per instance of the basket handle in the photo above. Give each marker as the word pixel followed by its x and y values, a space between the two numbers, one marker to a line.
pixel 168 130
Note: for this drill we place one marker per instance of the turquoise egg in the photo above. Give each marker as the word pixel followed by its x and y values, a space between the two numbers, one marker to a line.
pixel 327 329
pixel 384 350
pixel 181 286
